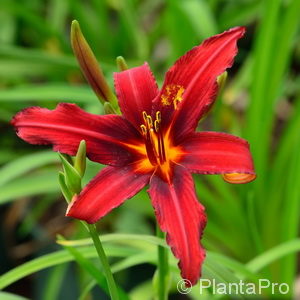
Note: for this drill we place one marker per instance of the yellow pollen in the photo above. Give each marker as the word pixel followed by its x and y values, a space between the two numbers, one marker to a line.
pixel 144 129
pixel 172 95
pixel 153 138
pixel 158 116
pixel 144 116
pixel 149 121
pixel 176 103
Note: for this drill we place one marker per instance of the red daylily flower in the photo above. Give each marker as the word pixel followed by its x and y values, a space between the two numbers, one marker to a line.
pixel 154 142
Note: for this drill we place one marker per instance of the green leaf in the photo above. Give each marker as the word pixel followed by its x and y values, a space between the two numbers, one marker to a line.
pixel 57 258
pixel 93 271
pixel 9 296
pixel 290 216
pixel 130 30
pixel 8 27
pixel 34 184
pixel 26 163
pixel 54 282
pixel 58 15
pixel 239 269
pixel 87 289
pixel 127 239
pixel 269 256
pixel 41 56
pixel 53 92
pixel 89 267
pixel 200 16
pixel 239 13
pixel 65 191
pixel 141 291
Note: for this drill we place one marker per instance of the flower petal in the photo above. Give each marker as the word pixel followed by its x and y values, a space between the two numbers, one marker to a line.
pixel 182 217
pixel 219 153
pixel 190 85
pixel 135 88
pixel 65 126
pixel 109 189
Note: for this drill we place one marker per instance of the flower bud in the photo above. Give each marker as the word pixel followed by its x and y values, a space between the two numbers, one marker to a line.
pixel 80 158
pixel 121 63
pixel 108 109
pixel 89 65
pixel 72 177
pixel 238 178
pixel 221 80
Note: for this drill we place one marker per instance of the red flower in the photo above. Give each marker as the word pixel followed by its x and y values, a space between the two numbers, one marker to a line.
pixel 154 142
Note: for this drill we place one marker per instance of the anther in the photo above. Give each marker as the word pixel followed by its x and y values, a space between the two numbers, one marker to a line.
pixel 158 116
pixel 149 121
pixel 176 102
pixel 145 116
pixel 144 129
pixel 154 141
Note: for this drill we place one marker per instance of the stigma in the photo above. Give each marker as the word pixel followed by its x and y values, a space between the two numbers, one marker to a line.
pixel 154 141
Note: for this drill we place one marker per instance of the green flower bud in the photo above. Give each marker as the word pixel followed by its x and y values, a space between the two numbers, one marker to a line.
pixel 72 177
pixel 80 158
pixel 121 63
pixel 108 109
pixel 221 80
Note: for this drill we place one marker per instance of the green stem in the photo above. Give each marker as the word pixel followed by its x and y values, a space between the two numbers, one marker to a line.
pixel 163 268
pixel 104 262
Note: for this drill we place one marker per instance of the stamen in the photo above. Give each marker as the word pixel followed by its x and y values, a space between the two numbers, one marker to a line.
pixel 144 116
pixel 158 116
pixel 163 152
pixel 176 103
pixel 152 156
pixel 154 141
pixel 149 121
pixel 144 129
pixel 160 150
pixel 156 125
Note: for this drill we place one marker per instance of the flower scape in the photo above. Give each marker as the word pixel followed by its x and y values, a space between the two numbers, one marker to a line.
pixel 153 142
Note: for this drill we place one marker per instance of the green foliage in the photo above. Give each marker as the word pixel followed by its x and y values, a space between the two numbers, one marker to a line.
pixel 8 296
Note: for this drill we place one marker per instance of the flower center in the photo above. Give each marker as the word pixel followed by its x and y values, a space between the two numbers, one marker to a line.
pixel 154 140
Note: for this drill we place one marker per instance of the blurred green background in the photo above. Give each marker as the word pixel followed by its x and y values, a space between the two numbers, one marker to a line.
pixel 252 229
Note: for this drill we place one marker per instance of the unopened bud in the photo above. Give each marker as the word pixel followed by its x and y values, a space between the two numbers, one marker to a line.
pixel 89 65
pixel 121 63
pixel 72 177
pixel 221 80
pixel 108 109
pixel 80 158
